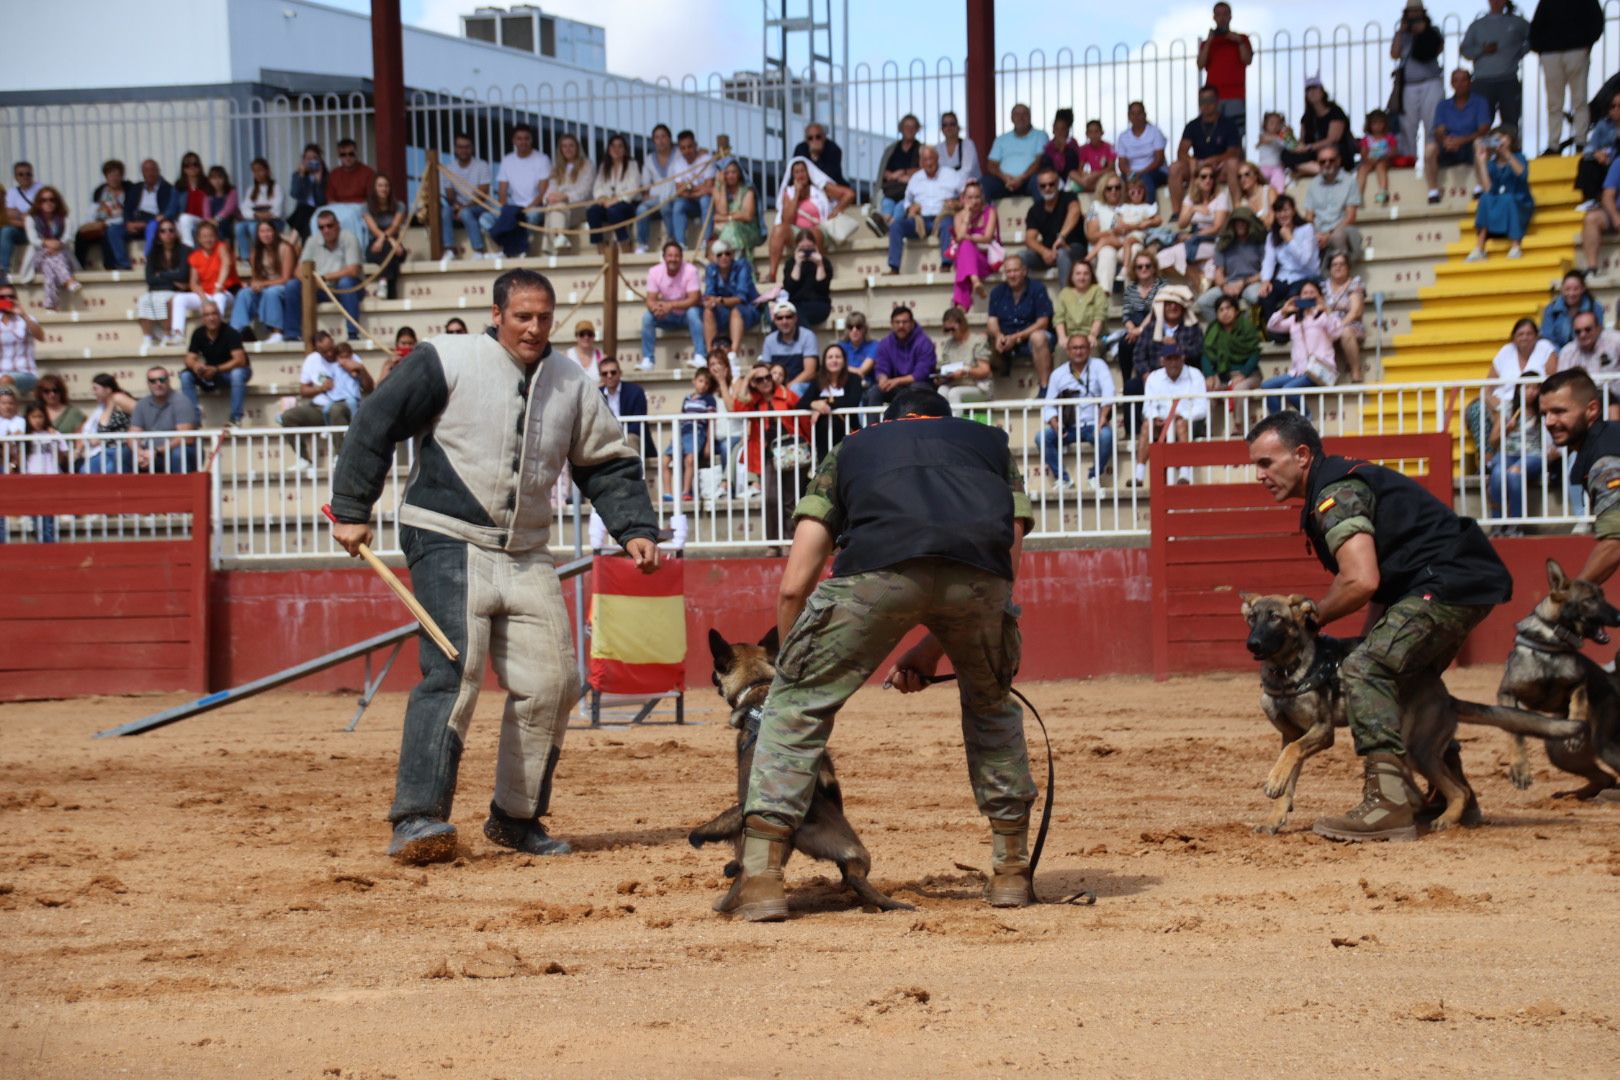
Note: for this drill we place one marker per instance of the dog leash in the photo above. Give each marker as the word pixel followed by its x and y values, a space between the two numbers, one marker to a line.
pixel 1085 897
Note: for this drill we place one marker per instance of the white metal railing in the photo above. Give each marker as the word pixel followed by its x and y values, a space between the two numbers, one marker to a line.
pixel 269 485
pixel 67 142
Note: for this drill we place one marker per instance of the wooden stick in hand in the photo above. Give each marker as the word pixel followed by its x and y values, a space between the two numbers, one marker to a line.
pixel 392 581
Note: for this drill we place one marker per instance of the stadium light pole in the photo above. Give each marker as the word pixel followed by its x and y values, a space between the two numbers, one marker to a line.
pixel 388 90
pixel 981 74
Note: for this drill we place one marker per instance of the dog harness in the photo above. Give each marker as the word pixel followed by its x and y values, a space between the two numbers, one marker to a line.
pixel 1323 674
pixel 751 716
pixel 1566 640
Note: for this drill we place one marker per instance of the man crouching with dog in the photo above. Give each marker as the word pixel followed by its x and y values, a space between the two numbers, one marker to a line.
pixel 927 513
pixel 1389 543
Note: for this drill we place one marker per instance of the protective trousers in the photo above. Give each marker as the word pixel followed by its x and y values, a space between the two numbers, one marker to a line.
pixel 1416 638
pixel 849 627
pixel 507 608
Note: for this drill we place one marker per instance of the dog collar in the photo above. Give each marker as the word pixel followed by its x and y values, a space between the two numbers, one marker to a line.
pixel 1323 672
pixel 751 718
pixel 1565 640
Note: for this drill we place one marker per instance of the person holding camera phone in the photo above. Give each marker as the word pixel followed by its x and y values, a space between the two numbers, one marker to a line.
pixel 18 332
pixel 1222 58
pixel 1418 50
pixel 1505 206
pixel 1311 329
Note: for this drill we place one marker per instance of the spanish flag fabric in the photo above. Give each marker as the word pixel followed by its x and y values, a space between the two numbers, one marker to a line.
pixel 638 627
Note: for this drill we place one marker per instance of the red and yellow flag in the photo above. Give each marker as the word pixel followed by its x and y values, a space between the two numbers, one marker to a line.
pixel 638 627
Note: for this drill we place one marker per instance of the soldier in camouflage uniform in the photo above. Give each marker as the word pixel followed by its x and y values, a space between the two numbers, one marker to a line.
pixel 1570 406
pixel 927 513
pixel 1390 543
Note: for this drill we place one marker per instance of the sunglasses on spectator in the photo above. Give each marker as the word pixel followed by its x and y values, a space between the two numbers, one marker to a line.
pixel 1047 187
pixel 950 123
pixel 345 153
pixel 49 390
pixel 158 380
pixel 763 380
pixel 586 333
pixel 816 138
pixel 783 318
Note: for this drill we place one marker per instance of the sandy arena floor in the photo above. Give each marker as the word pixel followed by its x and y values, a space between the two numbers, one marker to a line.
pixel 213 899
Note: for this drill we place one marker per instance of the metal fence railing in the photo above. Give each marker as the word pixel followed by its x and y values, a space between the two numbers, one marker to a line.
pixel 729 482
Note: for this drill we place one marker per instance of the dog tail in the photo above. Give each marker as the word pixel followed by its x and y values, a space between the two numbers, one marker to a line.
pixel 1518 721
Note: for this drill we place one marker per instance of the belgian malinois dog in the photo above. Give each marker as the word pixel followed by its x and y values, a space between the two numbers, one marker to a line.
pixel 1301 695
pixel 743 674
pixel 1546 673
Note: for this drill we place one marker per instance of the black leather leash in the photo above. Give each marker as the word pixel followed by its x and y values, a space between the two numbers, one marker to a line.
pixel 1084 897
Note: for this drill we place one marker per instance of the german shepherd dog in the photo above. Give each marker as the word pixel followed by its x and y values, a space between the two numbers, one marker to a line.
pixel 1546 673
pixel 1301 695
pixel 742 675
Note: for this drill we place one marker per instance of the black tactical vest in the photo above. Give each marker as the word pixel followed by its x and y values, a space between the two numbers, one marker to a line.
pixel 925 488
pixel 1602 440
pixel 1423 546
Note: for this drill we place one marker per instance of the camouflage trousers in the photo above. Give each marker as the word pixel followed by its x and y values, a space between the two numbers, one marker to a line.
pixel 1416 638
pixel 849 627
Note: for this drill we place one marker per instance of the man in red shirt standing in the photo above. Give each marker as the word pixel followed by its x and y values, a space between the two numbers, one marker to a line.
pixel 1222 58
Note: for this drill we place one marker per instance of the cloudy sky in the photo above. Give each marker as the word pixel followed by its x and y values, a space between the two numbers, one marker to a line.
pixel 725 35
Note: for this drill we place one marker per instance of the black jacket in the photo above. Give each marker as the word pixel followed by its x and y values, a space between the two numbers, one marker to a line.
pixel 1565 25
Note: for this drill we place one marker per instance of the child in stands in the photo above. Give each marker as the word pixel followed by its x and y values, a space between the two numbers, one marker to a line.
pixel 1377 148
pixel 1275 137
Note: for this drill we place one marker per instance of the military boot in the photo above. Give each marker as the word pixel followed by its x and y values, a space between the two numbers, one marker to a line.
pixel 1012 883
pixel 758 895
pixel 1386 810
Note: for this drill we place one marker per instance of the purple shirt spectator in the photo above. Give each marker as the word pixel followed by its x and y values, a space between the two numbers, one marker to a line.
pixel 913 356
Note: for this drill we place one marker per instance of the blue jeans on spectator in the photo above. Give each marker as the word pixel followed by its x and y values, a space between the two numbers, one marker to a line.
pixel 691 318
pixel 890 208
pixel 192 385
pixel 995 189
pixel 1052 444
pixel 1518 472
pixel 903 227
pixel 114 246
pixel 10 237
pixel 265 305
pixel 597 216
pixel 468 216
pixel 1155 180
pixel 171 459
pixel 666 214
pixel 292 305
pixel 505 229
pixel 112 458
pixel 685 212
pixel 1286 382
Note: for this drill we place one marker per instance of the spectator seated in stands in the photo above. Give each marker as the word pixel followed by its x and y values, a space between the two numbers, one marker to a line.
pixel 571 184
pixel 1275 137
pixel 657 172
pixel 330 387
pixel 692 442
pixel 1458 121
pixel 520 191
pixel 957 152
pixel 263 201
pixel 1558 317
pixel 18 333
pixel 807 281
pixel 930 199
pixel 220 208
pixel 1254 194
pixel 859 347
pixel 188 199
pixel 404 343
pixel 212 279
pixel 1203 215
pixel 216 360
pixel 729 294
pixel 1062 153
pixel 584 351
pixel 1231 359
pixel 1505 205
pixel 674 300
pixel 271 263
pixel 964 373
pixel 977 235
pixel 807 201
pixel 1081 308
pixel 1140 216
pixel 904 357
pixel 1090 420
pixel 110 219
pixel 1377 151
pixel 52 393
pixel 385 219
pixel 1505 424
pixel 1053 236
pixel 760 393
pixel 1097 159
pixel 454 325
pixel 615 189
pixel 335 255
pixel 834 395
pixel 168 271
pixel 1292 257
pixel 1141 148
pixel 1176 384
pixel 1599 154
pixel 694 188
pixel 736 210
pixel 1141 289
pixel 790 350
pixel 1014 158
pixel 1106 231
pixel 19 203
pixel 1311 330
pixel 308 189
pixel 899 161
pixel 1331 205
pixel 1593 348
pixel 42 457
pixel 1323 126
pixel 625 400
pixel 1346 298
pixel 1208 139
pixel 1240 251
pixel 12 422
pixel 822 152
pixel 347 188
pixel 1170 326
pixel 110 416
pixel 164 411
pixel 464 180
pixel 50 232
pixel 1020 321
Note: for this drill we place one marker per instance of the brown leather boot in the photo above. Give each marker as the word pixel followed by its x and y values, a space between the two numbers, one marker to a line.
pixel 758 896
pixel 1386 809
pixel 1012 883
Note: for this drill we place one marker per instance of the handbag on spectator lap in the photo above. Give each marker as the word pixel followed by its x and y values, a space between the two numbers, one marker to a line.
pixel 791 453
pixel 839 229
pixel 1322 372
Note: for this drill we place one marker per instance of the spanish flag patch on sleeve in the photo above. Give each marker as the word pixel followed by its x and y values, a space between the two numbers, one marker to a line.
pixel 1326 504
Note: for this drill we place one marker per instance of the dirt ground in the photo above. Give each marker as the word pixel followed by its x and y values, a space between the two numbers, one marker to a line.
pixel 213 898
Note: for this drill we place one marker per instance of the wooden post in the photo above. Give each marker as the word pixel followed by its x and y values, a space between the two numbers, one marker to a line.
pixel 306 286
pixel 981 74
pixel 388 90
pixel 610 298
pixel 435 206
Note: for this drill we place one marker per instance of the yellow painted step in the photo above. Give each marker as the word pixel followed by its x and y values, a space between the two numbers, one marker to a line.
pixel 1532 279
pixel 1458 334
pixel 1496 306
